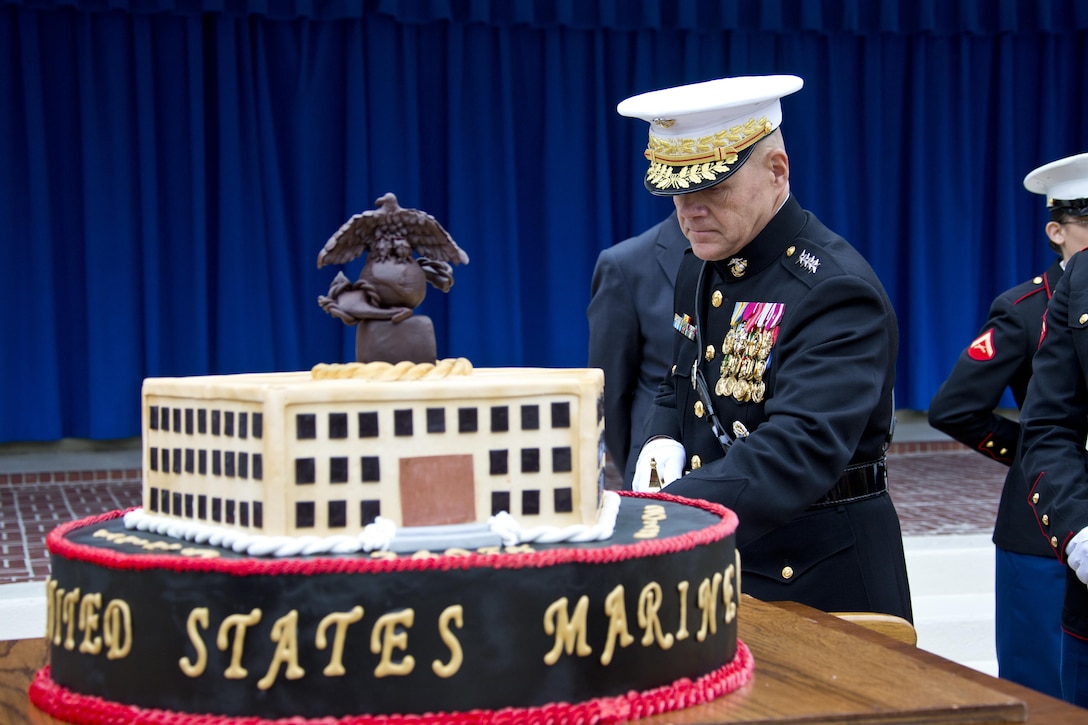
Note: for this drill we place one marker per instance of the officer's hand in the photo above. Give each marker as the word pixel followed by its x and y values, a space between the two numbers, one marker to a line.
pixel 669 456
pixel 1076 555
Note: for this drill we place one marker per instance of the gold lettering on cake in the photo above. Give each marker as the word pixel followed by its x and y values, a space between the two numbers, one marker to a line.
pixel 652 514
pixel 570 633
pixel 708 604
pixel 70 612
pixel 385 637
pixel 117 629
pixel 239 623
pixel 454 614
pixel 88 622
pixel 682 592
pixel 117 538
pixel 68 615
pixel 729 595
pixel 198 616
pixel 617 624
pixel 649 603
pixel 339 620
pixel 285 635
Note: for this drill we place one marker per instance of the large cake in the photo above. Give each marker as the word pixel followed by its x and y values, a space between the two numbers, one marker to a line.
pixel 363 544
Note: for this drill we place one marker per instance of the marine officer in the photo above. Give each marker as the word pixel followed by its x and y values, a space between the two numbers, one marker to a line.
pixel 779 400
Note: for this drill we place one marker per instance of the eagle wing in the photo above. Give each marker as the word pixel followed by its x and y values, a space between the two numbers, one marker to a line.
pixel 422 231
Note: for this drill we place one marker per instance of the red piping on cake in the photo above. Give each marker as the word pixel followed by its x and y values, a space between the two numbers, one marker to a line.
pixel 71 707
pixel 61 546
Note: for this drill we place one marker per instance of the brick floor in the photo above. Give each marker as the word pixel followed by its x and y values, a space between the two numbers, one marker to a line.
pixel 938 488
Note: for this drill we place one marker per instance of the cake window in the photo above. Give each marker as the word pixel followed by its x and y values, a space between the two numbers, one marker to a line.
pixel 466 420
pixel 370 510
pixel 243 465
pixel 202 462
pixel 304 514
pixel 243 425
pixel 153 458
pixel 258 425
pixel 177 504
pixel 530 460
pixel 402 422
pixel 600 409
pixel 153 417
pixel 153 499
pixel 305 426
pixel 202 421
pixel 500 419
pixel 500 501
pixel 217 418
pixel 530 503
pixel 499 463
pixel 177 460
pixel 228 464
pixel 243 513
pixel 338 470
pixel 217 509
pixel 258 515
pixel 217 463
pixel 436 420
pixel 258 467
pixel 164 501
pixel 530 417
pixel 560 415
pixel 177 420
pixel 190 460
pixel 561 459
pixel 228 423
pixel 228 511
pixel 202 507
pixel 372 470
pixel 305 470
pixel 164 419
pixel 564 500
pixel 338 514
pixel 165 460
pixel 368 425
pixel 189 421
pixel 338 425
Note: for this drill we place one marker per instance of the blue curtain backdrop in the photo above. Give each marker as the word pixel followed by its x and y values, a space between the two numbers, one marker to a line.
pixel 169 169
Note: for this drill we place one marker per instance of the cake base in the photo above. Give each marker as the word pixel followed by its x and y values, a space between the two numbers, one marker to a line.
pixel 144 628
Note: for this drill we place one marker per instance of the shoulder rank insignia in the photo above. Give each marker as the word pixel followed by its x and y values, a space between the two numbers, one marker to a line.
pixel 684 326
pixel 982 349
pixel 809 261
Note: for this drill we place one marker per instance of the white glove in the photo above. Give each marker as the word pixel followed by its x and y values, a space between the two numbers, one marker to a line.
pixel 669 456
pixel 1076 555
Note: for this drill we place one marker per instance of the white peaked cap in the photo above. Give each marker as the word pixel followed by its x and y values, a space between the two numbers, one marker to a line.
pixel 1062 180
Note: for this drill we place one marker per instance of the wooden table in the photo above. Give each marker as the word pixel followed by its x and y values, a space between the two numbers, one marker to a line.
pixel 811 667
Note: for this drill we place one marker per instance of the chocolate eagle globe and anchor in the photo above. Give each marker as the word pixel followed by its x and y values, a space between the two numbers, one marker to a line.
pixel 392 283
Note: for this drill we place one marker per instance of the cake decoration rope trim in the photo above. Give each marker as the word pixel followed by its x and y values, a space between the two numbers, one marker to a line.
pixel 385 371
pixel 60 545
pixel 63 704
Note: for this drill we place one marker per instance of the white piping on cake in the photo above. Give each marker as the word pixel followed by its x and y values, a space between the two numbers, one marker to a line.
pixel 378 536
pixel 511 532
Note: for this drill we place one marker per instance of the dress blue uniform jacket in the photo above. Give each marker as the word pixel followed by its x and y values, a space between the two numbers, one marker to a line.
pixel 825 402
pixel 630 331
pixel 1054 427
pixel 964 406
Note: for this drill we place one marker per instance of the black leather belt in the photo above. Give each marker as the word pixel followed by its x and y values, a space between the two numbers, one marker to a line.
pixel 860 481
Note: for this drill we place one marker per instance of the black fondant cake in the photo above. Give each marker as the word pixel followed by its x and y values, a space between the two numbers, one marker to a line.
pixel 148 628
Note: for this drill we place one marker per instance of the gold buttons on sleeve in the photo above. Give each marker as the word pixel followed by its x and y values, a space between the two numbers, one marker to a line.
pixel 787 572
pixel 1083 318
pixel 1004 451
pixel 699 409
pixel 716 298
pixel 1035 498
pixel 696 462
pixel 1054 541
pixel 1046 520
pixel 989 444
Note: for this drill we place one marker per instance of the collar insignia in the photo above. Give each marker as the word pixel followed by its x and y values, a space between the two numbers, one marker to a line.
pixel 738 266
